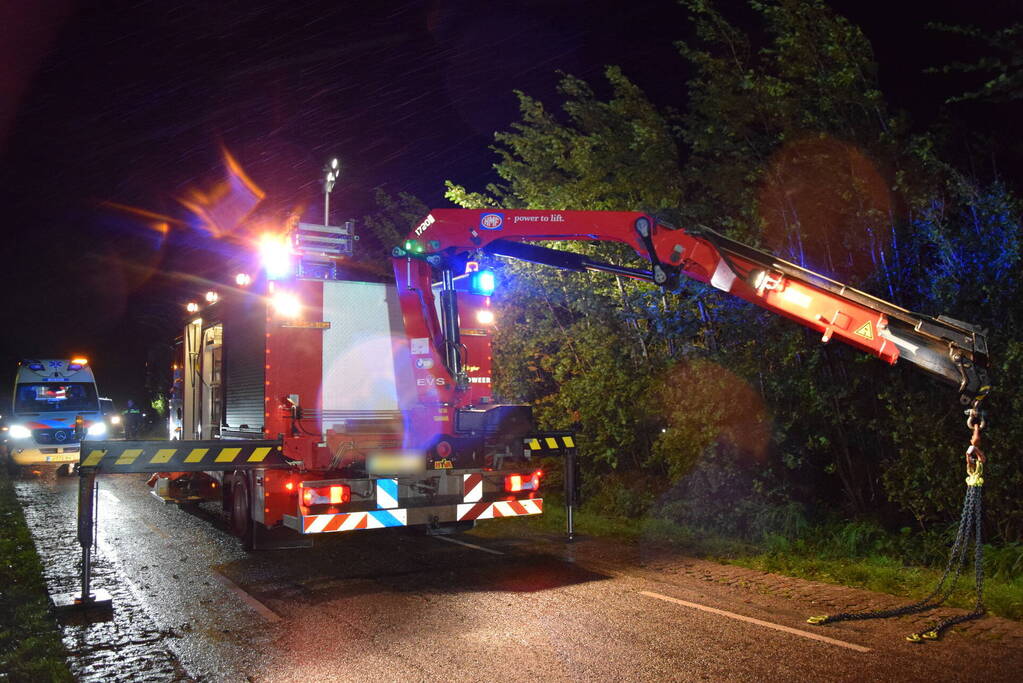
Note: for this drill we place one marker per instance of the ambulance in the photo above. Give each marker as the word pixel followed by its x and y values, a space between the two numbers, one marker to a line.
pixel 48 397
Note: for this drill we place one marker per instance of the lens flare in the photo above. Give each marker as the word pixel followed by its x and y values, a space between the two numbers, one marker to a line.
pixel 287 305
pixel 223 208
pixel 826 206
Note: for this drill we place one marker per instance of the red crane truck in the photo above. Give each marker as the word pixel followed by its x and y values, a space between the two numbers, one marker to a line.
pixel 311 400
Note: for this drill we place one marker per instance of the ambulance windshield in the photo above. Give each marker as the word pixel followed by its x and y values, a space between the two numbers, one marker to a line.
pixel 51 397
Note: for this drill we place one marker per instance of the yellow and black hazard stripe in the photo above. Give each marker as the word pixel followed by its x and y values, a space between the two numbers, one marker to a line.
pixel 179 456
pixel 550 442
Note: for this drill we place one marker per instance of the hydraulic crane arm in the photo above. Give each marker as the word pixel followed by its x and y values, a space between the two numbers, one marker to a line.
pixel 951 350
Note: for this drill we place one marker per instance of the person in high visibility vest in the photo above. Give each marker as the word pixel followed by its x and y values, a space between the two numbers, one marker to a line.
pixel 132 421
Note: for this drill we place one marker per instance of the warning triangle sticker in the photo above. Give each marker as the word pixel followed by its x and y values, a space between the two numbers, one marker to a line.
pixel 866 331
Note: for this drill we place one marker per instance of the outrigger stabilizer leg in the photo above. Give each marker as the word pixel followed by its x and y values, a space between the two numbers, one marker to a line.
pixel 90 598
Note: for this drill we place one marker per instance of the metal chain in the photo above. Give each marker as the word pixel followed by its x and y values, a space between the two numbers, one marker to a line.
pixel 979 609
pixel 955 560
pixel 969 530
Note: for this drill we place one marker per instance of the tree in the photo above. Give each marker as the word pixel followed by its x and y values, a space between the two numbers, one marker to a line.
pixel 389 224
pixel 1002 69
pixel 791 146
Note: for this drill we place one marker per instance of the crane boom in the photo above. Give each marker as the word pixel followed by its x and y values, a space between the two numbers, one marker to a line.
pixel 446 239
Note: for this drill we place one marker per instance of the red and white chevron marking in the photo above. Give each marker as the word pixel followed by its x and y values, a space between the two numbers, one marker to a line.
pixel 472 487
pixel 502 508
pixel 349 521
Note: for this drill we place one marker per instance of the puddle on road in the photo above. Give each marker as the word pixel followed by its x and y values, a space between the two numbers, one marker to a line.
pixel 129 647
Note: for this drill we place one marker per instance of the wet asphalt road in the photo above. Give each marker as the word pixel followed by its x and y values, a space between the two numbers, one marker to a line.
pixel 391 605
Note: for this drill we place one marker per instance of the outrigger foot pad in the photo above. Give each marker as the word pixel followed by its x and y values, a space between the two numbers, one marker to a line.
pixel 98 599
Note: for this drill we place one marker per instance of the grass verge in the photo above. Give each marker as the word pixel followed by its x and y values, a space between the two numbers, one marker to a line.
pixel 884 573
pixel 30 644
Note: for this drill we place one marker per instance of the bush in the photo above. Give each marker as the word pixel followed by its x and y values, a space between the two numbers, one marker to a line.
pixel 722 495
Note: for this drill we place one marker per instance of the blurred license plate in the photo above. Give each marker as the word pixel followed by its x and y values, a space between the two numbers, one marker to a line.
pixel 402 462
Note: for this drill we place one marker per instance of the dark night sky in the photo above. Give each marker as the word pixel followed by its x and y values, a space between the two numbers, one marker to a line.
pixel 131 103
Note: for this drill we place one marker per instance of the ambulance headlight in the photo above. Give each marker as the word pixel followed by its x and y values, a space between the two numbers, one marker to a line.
pixel 19 432
pixel 97 429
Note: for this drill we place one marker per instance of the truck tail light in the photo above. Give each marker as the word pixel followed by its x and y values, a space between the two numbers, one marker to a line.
pixel 515 483
pixel 326 495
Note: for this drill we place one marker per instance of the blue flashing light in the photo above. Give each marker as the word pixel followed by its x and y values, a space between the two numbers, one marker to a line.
pixel 276 256
pixel 482 282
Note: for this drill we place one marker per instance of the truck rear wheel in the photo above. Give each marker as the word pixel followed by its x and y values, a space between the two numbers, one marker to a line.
pixel 241 511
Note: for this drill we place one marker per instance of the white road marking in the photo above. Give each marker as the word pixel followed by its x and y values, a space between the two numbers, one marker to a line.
pixel 758 622
pixel 469 545
pixel 109 496
pixel 259 607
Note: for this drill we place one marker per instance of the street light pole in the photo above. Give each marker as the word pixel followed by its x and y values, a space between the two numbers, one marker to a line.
pixel 333 171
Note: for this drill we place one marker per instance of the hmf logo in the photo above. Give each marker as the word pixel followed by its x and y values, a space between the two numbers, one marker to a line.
pixel 491 221
pixel 427 222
